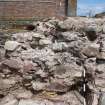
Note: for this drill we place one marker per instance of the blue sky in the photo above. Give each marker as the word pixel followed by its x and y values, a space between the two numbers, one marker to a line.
pixel 95 6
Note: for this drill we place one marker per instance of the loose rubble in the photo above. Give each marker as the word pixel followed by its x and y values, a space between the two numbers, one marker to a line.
pixel 45 66
pixel 11 45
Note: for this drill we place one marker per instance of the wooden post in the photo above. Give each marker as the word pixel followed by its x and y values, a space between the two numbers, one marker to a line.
pixel 72 8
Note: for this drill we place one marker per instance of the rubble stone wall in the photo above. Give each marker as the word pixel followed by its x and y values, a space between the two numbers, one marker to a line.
pixel 45 66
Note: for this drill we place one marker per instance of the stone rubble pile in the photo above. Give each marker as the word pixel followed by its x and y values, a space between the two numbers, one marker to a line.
pixel 45 66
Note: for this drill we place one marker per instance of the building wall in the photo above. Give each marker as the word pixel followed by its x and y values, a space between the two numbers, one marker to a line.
pixel 28 9
pixel 72 7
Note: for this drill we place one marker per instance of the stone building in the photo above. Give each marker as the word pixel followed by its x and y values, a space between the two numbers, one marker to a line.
pixel 29 9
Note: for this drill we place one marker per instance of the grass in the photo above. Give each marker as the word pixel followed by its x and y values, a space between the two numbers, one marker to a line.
pixel 12 30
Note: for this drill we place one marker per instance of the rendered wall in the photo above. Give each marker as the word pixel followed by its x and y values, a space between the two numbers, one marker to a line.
pixel 72 7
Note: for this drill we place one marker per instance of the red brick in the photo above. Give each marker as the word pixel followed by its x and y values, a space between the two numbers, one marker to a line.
pixel 28 9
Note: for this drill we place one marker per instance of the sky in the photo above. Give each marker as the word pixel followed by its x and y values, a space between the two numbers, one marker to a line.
pixel 95 6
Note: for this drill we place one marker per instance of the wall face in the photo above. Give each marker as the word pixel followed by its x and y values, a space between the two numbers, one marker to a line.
pixel 28 9
pixel 72 8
